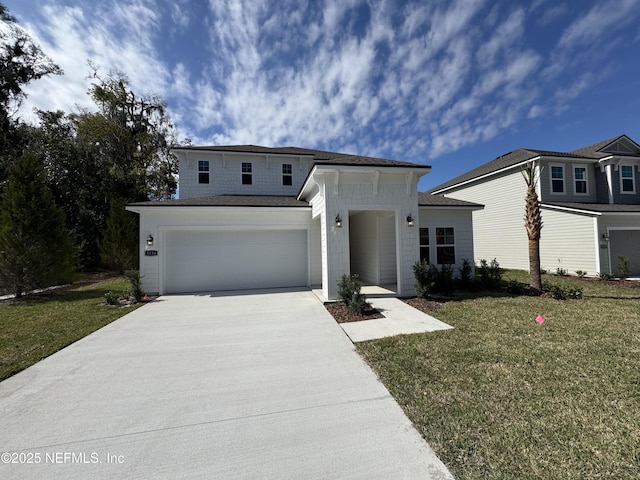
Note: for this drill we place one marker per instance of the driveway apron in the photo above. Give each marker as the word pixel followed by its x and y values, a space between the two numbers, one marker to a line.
pixel 257 384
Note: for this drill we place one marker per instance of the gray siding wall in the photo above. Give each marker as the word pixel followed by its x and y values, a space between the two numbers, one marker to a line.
pixel 363 242
pixel 569 194
pixel 602 186
pixel 625 198
pixel 387 243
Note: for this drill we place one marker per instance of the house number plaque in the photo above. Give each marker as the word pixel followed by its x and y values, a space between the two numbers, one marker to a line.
pixel 151 253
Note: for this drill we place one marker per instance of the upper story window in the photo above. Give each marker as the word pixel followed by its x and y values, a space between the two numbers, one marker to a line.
pixel 580 179
pixel 424 245
pixel 247 173
pixel 287 174
pixel 627 179
pixel 445 246
pixel 557 179
pixel 203 171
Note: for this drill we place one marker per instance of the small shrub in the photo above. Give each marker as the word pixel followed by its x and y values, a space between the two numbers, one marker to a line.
pixel 423 274
pixel 465 274
pixel 112 298
pixel 561 272
pixel 622 267
pixel 603 277
pixel 489 274
pixel 543 271
pixel 581 273
pixel 562 292
pixel 444 283
pixel 349 292
pixel 135 285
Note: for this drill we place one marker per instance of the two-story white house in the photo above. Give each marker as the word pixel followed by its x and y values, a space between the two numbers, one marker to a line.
pixel 590 203
pixel 252 217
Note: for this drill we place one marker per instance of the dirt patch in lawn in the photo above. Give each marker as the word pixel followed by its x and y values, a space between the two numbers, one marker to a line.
pixel 343 314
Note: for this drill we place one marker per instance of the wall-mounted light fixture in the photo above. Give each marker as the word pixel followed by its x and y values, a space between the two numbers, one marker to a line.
pixel 150 240
pixel 410 222
pixel 338 221
pixel 605 236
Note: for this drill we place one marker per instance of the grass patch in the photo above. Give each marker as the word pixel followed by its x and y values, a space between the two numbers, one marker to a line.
pixel 503 397
pixel 37 326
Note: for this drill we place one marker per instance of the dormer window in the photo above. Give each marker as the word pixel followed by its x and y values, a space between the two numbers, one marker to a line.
pixel 627 179
pixel 247 173
pixel 203 171
pixel 580 179
pixel 557 179
pixel 287 174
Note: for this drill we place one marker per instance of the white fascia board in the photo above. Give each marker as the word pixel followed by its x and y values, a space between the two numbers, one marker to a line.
pixel 570 210
pixel 227 153
pixel 486 175
pixel 450 207
pixel 417 170
pixel 212 208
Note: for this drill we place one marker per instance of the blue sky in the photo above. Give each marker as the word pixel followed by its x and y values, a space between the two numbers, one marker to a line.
pixel 448 83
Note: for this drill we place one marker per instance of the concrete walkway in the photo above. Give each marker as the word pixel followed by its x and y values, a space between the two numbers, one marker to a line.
pixel 261 386
pixel 400 318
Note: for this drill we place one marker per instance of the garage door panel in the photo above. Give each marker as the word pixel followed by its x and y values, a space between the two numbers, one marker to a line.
pixel 231 260
pixel 627 244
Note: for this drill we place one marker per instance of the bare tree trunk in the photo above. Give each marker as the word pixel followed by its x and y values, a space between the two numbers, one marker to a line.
pixel 535 279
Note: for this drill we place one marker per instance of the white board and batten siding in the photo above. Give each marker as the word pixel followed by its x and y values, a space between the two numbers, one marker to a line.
pixel 461 222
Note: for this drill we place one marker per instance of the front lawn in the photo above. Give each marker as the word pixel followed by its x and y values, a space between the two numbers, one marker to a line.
pixel 37 326
pixel 503 397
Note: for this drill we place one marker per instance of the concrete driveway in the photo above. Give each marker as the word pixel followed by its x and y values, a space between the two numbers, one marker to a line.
pixel 262 386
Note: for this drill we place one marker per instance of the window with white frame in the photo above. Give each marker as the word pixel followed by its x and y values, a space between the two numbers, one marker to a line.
pixel 203 171
pixel 627 179
pixel 580 180
pixel 424 245
pixel 247 173
pixel 445 246
pixel 287 174
pixel 557 179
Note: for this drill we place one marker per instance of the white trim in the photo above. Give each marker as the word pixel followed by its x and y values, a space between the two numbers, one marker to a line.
pixel 609 183
pixel 596 234
pixel 551 179
pixel 585 179
pixel 570 210
pixel 633 179
pixel 200 208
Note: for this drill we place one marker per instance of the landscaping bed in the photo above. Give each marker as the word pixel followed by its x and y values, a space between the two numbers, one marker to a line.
pixel 343 314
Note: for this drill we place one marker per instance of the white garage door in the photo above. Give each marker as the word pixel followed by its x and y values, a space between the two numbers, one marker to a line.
pixel 627 244
pixel 200 261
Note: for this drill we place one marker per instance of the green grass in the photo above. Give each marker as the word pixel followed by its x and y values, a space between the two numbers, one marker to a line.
pixel 502 397
pixel 37 326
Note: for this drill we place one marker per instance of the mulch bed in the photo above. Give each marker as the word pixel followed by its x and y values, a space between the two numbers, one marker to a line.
pixel 343 314
pixel 424 305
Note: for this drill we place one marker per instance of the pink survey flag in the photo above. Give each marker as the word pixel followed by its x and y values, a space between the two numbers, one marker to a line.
pixel 540 319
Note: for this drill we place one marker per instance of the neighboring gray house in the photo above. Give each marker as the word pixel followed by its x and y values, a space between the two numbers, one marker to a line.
pixel 590 201
pixel 258 217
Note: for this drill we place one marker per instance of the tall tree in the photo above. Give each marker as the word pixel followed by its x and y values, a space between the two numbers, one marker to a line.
pixel 35 248
pixel 533 224
pixel 21 62
pixel 119 246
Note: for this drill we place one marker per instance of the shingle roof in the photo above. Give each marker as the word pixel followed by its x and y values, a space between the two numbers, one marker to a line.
pixel 426 199
pixel 227 201
pixel 596 207
pixel 320 157
pixel 522 155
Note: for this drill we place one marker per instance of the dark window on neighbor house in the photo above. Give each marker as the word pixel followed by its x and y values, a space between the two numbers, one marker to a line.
pixel 445 246
pixel 287 174
pixel 557 178
pixel 424 245
pixel 627 180
pixel 203 171
pixel 247 175
pixel 580 177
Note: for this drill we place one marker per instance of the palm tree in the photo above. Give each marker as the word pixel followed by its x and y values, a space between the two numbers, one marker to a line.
pixel 533 224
